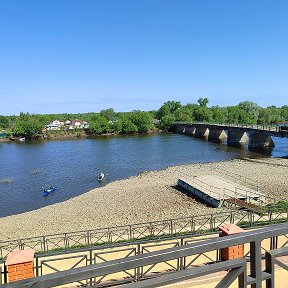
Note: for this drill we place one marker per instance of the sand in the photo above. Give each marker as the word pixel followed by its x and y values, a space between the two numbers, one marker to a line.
pixel 150 196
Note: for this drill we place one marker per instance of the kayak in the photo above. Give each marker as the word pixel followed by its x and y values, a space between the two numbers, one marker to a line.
pixel 48 191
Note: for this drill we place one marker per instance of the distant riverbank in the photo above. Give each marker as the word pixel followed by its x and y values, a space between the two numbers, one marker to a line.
pixel 78 134
pixel 150 196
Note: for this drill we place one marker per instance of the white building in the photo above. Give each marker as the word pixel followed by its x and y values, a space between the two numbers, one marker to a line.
pixel 75 124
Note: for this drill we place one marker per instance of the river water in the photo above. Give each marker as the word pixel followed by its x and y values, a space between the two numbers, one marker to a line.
pixel 72 165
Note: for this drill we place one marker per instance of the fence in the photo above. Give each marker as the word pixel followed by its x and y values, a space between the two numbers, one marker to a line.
pixel 181 259
pixel 131 233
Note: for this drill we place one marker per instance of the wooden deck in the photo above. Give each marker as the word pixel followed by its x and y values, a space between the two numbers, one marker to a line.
pixel 215 190
pixel 220 188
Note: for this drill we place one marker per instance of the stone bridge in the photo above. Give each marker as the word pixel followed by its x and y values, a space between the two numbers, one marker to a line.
pixel 257 136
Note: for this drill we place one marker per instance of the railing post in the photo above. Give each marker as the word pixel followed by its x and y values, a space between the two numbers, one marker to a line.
pixel 242 279
pixel 88 237
pixel 181 262
pixel 269 263
pixel 232 220
pixel 270 215
pixel 251 218
pixel 109 236
pixel 5 274
pixel 130 232
pixel 151 229
pixel 66 242
pixel 256 267
pixel 193 225
pixel 44 244
pixel 90 261
pixel 21 244
pixel 138 269
pixel 211 223
pixel 37 267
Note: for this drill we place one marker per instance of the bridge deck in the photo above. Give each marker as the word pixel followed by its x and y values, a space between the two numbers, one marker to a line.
pixel 219 188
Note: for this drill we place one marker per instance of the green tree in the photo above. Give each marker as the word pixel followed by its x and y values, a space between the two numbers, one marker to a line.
pixel 98 125
pixel 167 121
pixel 219 114
pixel 184 114
pixel 203 101
pixel 249 112
pixel 284 113
pixel 142 120
pixel 127 125
pixel 116 126
pixel 3 122
pixel 28 125
pixel 167 108
pixel 203 114
pixel 233 113
pixel 109 114
pixel 270 115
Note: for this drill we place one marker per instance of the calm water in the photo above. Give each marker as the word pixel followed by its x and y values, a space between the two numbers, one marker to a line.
pixel 73 164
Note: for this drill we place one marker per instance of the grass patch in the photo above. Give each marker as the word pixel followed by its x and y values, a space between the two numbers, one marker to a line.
pixel 280 206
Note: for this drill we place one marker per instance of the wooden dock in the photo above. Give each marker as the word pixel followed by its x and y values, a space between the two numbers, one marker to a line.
pixel 215 190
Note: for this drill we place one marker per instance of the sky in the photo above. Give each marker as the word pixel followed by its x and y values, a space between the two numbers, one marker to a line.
pixel 68 56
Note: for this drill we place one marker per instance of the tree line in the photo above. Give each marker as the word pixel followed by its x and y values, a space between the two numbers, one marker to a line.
pixel 109 121
pixel 246 112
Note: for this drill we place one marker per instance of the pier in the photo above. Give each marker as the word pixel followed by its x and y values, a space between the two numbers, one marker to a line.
pixel 215 191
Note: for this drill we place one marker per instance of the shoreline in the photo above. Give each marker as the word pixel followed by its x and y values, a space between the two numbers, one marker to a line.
pixel 81 135
pixel 149 196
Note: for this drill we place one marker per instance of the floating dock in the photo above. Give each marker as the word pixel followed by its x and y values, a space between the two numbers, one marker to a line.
pixel 214 190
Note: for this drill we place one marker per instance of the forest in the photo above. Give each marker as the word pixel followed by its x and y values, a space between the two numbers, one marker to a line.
pixel 110 122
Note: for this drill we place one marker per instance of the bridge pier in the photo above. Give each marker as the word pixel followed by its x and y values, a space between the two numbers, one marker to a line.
pixel 260 140
pixel 236 137
pixel 190 130
pixel 202 131
pixel 216 134
pixel 180 129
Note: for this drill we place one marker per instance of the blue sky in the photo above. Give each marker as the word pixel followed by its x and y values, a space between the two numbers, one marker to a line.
pixel 67 56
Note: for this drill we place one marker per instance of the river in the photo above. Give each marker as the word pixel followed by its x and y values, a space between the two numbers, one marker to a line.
pixel 72 165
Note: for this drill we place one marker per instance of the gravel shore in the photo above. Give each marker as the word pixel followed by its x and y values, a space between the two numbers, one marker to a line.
pixel 150 196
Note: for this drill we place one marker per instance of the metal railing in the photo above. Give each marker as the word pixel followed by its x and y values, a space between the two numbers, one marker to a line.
pixel 231 269
pixel 149 230
pixel 260 127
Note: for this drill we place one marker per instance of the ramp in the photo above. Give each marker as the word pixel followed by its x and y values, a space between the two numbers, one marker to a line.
pixel 244 204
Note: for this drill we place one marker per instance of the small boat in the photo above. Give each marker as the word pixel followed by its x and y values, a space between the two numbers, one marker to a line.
pixel 48 191
pixel 22 139
pixel 100 177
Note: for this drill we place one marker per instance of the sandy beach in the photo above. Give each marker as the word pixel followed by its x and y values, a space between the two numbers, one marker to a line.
pixel 150 196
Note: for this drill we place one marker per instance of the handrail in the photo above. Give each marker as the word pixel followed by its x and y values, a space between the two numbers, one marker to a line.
pixel 136 231
pixel 253 237
pixel 260 127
